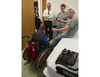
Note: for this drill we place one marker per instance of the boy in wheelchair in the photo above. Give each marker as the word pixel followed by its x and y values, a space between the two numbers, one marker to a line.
pixel 40 42
pixel 40 38
pixel 38 48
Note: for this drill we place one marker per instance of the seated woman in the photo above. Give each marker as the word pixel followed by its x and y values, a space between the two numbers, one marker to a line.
pixel 37 19
pixel 62 18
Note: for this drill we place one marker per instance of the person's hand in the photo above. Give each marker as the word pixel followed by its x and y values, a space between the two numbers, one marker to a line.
pixel 61 21
pixel 53 29
pixel 60 31
pixel 50 15
pixel 58 19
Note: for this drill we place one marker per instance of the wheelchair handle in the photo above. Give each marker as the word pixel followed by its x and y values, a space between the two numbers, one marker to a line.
pixel 25 36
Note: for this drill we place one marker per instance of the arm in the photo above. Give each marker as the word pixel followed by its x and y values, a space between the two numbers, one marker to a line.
pixel 64 21
pixel 51 16
pixel 37 20
pixel 44 14
pixel 69 25
pixel 62 29
pixel 58 19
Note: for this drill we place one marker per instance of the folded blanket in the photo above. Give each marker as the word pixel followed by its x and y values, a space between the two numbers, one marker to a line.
pixel 67 63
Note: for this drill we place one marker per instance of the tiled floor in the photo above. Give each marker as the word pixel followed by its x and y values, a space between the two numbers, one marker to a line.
pixel 28 70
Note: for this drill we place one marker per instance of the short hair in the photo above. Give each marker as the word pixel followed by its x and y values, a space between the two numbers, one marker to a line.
pixel 71 10
pixel 63 5
pixel 42 28
pixel 49 3
pixel 35 8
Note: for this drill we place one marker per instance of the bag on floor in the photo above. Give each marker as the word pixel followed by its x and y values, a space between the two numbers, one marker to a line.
pixel 67 63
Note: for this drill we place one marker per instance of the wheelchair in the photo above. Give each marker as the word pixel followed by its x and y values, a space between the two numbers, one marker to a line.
pixel 42 53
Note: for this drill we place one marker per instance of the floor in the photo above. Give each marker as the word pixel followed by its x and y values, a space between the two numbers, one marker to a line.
pixel 28 70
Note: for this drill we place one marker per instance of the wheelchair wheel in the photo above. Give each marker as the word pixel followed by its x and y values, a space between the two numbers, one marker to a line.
pixel 41 59
pixel 25 55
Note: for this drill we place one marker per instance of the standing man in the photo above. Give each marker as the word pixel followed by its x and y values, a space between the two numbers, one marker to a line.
pixel 69 30
pixel 48 15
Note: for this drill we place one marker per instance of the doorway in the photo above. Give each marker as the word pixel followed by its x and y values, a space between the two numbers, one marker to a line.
pixel 36 3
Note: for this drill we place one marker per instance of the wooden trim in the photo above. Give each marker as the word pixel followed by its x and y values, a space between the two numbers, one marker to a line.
pixel 35 0
pixel 43 8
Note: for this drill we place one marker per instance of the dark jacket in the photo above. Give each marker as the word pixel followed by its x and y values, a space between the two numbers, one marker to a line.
pixel 37 19
pixel 39 36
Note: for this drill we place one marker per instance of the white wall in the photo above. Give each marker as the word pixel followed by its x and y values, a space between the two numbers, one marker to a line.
pixel 56 6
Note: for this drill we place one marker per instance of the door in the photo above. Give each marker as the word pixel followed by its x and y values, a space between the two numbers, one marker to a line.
pixel 28 20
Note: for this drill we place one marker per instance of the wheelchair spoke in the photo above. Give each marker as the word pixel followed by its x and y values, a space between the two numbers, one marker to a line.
pixel 43 58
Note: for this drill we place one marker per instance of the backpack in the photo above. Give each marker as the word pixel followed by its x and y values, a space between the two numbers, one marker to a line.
pixel 32 52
